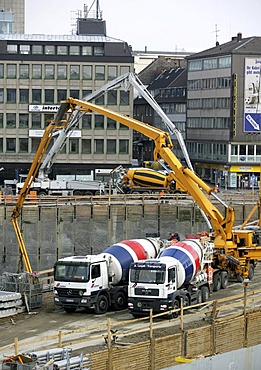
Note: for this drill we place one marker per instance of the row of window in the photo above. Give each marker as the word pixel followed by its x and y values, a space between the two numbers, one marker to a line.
pixel 74 146
pixel 51 96
pixel 208 122
pixel 36 49
pixel 173 92
pixel 209 83
pixel 40 121
pixel 245 150
pixel 61 71
pixel 209 63
pixel 212 151
pixel 208 103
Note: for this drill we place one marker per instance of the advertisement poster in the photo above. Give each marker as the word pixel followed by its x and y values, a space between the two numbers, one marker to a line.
pixel 252 108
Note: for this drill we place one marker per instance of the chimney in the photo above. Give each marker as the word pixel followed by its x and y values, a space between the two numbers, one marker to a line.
pixel 239 36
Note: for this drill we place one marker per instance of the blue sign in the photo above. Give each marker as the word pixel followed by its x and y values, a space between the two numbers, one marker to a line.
pixel 252 122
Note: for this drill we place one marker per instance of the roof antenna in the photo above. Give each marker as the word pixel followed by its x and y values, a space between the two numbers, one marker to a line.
pixel 216 32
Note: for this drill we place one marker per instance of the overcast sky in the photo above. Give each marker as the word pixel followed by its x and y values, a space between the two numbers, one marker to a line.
pixel 159 25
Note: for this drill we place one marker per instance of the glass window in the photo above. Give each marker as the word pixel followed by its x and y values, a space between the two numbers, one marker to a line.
pixel 75 94
pixel 37 49
pixel 10 145
pixel 1 120
pixel 1 145
pixel 49 71
pixel 111 124
pixel 112 97
pixel 86 146
pixel 112 72
pixel 11 96
pixel 195 65
pixel 35 143
pixel 124 69
pixel 99 72
pixel 36 120
pixel 1 71
pixel 98 121
pixel 10 120
pixel 12 49
pixel 87 121
pixel 224 62
pixel 24 96
pixel 49 49
pixel 24 71
pixel 48 117
pixel 61 72
pixel 1 95
pixel 74 50
pixel 87 50
pixel 124 97
pixel 62 50
pixel 98 146
pixel 85 93
pixel 123 127
pixel 61 94
pixel 87 72
pixel 74 146
pixel 11 70
pixel 49 96
pixel 37 71
pixel 100 100
pixel 74 72
pixel 24 49
pixel 98 50
pixel 111 146
pixel 23 145
pixel 124 146
pixel 23 120
pixel 210 63
pixel 36 95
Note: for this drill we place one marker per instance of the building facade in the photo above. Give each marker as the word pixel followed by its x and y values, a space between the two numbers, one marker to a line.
pixel 12 16
pixel 224 112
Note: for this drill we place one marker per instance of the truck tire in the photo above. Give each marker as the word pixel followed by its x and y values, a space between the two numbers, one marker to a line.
pixel 175 305
pixel 77 192
pixel 199 296
pixel 101 305
pixel 42 193
pixel 251 271
pixel 205 293
pixel 224 279
pixel 216 282
pixel 69 309
pixel 120 301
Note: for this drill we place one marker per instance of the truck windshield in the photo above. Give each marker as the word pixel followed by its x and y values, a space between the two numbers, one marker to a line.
pixel 71 272
pixel 145 275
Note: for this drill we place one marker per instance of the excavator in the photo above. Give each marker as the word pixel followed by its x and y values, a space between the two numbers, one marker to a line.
pixel 235 250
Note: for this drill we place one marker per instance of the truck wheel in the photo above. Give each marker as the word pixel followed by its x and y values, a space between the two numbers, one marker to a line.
pixel 251 271
pixel 205 293
pixel 70 309
pixel 101 305
pixel 216 282
pixel 224 279
pixel 199 296
pixel 77 192
pixel 175 305
pixel 120 301
pixel 42 193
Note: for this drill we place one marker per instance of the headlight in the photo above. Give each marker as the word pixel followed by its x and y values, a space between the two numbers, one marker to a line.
pixel 139 304
pixel 84 301
pixel 130 305
pixel 56 299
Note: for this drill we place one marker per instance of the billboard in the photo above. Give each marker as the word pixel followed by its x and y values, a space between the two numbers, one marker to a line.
pixel 252 96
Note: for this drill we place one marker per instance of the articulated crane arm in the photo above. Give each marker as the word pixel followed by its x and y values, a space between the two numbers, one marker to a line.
pixel 185 177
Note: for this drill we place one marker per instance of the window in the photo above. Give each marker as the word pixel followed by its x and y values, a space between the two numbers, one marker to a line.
pixel 10 145
pixel 74 50
pixel 1 95
pixel 208 103
pixel 24 96
pixel 49 71
pixel 62 50
pixel 36 96
pixel 111 146
pixel 98 121
pixel 124 69
pixel 1 71
pixel 10 120
pixel 112 97
pixel 210 63
pixel 195 65
pixel 12 49
pixel 11 70
pixel 99 72
pixel 123 127
pixel 224 62
pixel 87 121
pixel 112 72
pixel 23 120
pixel 98 50
pixel 1 145
pixel 194 103
pixel 61 94
pixel 194 84
pixel 74 146
pixel 24 49
pixel 35 144
pixel 49 96
pixel 11 96
pixel 111 124
pixel 87 50
pixel 87 72
pixel 124 146
pixel 1 120
pixel 74 72
pixel 124 97
pixel 49 50
pixel 209 83
pixel 36 120
pixel 37 49
pixel 223 102
pixel 37 71
pixel 100 100
pixel 24 71
pixel 23 145
pixel 61 72
pixel 86 146
pixel 85 93
pixel 223 82
pixel 48 117
pixel 74 94
pixel 98 146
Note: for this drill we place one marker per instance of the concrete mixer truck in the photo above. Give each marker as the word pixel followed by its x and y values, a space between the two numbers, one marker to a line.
pixel 182 271
pixel 100 281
